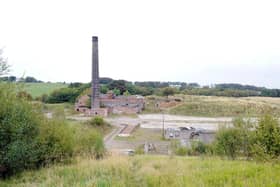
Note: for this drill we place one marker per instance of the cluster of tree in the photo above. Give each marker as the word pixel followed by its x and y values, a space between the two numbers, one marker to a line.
pixel 259 141
pixel 157 84
pixel 62 95
pixel 270 93
pixel 232 86
pixel 221 92
pixel 28 140
pixel 27 79
pixel 123 87
pixel 4 66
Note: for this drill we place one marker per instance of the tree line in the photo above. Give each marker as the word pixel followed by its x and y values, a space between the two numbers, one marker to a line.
pixel 123 87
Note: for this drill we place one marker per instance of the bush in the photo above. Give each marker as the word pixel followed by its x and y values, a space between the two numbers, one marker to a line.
pixel 63 95
pixel 97 121
pixel 181 151
pixel 228 142
pixel 55 142
pixel 261 141
pixel 27 139
pixel 268 136
pixel 198 148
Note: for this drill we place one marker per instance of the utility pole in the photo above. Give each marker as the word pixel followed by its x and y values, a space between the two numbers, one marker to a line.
pixel 157 105
pixel 163 133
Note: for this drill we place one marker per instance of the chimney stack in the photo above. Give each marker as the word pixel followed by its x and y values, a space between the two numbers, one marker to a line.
pixel 95 102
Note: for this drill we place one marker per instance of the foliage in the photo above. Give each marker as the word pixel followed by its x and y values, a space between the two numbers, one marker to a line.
pixel 119 85
pixel 116 91
pixel 126 93
pixel 181 151
pixel 55 142
pixel 228 142
pixel 8 78
pixel 268 136
pixel 31 79
pixel 27 139
pixel 4 66
pixel 68 94
pixel 63 95
pixel 104 89
pixel 238 87
pixel 198 148
pixel 105 80
pixel 261 141
pixel 97 121
pixel 221 92
pixel 168 91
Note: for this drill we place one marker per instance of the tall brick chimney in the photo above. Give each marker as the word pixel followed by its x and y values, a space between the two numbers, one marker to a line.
pixel 95 101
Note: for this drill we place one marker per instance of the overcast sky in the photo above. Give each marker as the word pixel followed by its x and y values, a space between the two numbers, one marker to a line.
pixel 190 41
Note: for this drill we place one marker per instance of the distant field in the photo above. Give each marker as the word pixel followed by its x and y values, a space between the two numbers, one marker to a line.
pixel 152 171
pixel 212 106
pixel 38 89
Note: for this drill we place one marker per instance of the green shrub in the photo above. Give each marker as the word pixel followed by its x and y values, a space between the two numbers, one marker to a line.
pixel 181 151
pixel 64 95
pixel 177 149
pixel 260 141
pixel 198 148
pixel 27 139
pixel 268 136
pixel 228 142
pixel 97 121
pixel 55 141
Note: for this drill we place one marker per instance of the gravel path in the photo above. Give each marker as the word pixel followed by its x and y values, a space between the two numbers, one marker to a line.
pixel 155 121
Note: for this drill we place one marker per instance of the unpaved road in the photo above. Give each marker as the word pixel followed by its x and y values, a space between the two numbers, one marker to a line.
pixel 155 121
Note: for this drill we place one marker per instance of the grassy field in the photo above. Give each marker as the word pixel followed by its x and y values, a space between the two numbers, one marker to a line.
pixel 38 89
pixel 212 106
pixel 152 171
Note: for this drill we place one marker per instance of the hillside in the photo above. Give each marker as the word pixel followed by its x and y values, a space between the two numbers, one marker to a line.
pixel 38 89
pixel 152 171
pixel 214 106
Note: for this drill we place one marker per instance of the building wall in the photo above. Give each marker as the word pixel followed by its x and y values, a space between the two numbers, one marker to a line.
pixel 116 105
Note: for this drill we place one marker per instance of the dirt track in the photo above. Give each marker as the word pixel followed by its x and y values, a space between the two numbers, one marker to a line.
pixel 155 121
pixel 172 121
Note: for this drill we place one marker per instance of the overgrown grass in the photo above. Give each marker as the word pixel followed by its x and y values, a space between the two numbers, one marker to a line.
pixel 211 106
pixel 152 171
pixel 38 89
pixel 67 108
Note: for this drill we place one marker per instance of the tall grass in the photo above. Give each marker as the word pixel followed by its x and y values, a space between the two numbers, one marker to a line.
pixel 152 171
